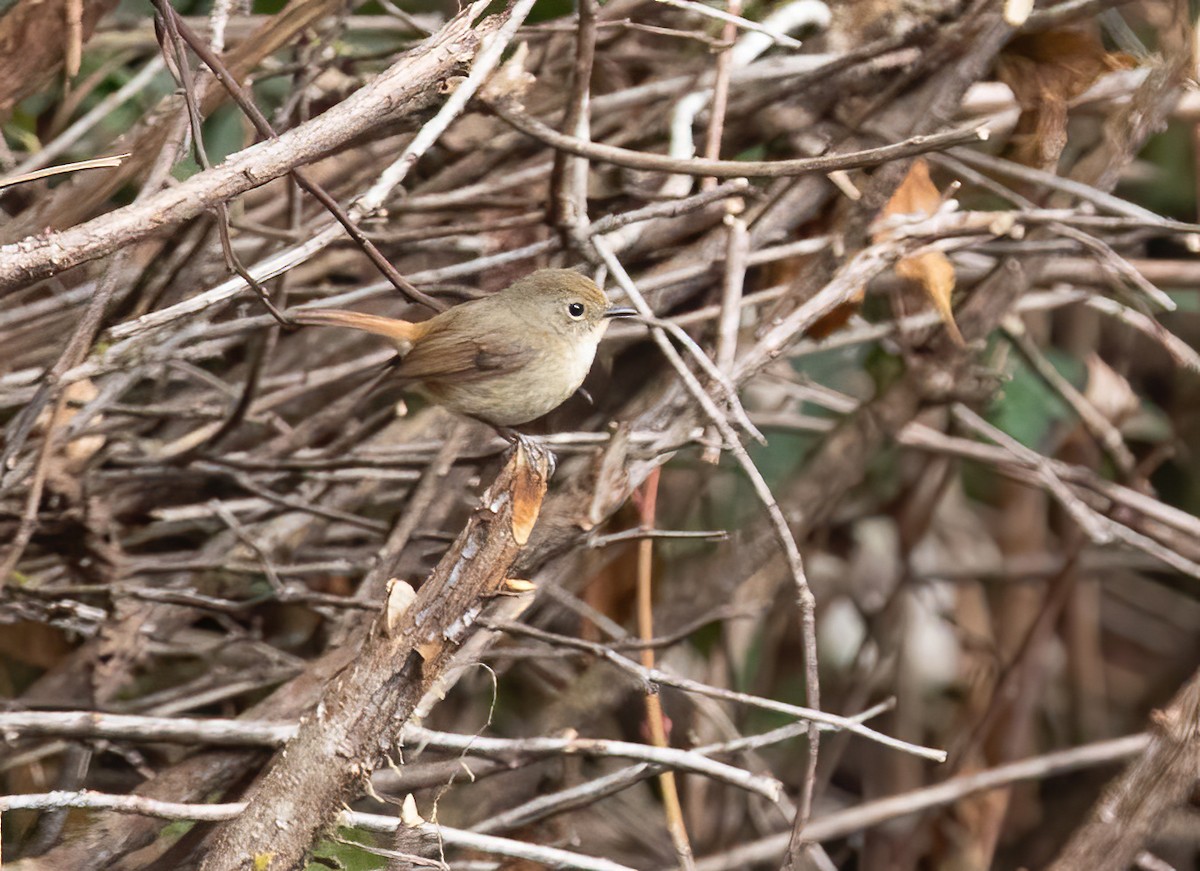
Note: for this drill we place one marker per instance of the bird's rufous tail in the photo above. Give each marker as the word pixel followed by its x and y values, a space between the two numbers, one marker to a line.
pixel 402 333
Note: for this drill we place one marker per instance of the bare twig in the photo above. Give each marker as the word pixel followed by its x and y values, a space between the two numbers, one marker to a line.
pixel 136 804
pixel 873 813
pixel 77 166
pixel 821 718
pixel 732 168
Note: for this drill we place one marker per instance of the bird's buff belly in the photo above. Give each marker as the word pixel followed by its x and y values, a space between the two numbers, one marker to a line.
pixel 513 398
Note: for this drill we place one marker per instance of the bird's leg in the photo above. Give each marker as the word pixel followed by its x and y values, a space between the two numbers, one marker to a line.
pixel 533 447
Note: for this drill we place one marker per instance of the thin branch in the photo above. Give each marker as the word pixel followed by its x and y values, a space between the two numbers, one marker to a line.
pixel 821 718
pixel 348 223
pixel 738 21
pixel 77 166
pixel 873 813
pixel 170 810
pixel 530 126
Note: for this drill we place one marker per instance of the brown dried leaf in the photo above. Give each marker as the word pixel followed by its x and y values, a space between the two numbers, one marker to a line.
pixel 917 194
pixel 1045 72
pixel 76 453
pixel 1109 391
pixel 931 270
pixel 935 273
pixel 429 650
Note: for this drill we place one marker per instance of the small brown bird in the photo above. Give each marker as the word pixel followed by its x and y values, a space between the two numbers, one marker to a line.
pixel 505 359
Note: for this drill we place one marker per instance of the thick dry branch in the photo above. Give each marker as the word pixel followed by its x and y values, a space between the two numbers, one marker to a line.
pixel 362 711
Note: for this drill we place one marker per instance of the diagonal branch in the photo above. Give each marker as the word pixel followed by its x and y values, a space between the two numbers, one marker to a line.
pixel 361 712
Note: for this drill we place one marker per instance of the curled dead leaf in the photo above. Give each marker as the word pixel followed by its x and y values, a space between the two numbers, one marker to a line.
pixel 1108 391
pixel 932 271
pixel 1045 72
pixel 917 195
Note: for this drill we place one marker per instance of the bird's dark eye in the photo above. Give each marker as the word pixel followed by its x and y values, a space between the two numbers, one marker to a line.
pixel 575 309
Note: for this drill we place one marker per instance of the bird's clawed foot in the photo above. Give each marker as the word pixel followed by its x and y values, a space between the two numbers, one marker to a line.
pixel 533 447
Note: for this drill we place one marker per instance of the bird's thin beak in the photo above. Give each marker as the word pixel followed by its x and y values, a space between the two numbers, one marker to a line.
pixel 620 311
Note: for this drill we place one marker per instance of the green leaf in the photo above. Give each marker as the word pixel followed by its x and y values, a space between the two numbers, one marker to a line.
pixel 1027 409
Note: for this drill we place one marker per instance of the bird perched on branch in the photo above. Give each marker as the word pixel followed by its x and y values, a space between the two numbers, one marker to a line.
pixel 505 359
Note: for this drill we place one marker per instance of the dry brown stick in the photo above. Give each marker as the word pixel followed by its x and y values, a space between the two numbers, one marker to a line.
pixel 1030 175
pixel 28 523
pixel 1096 494
pixel 720 94
pixel 72 203
pixel 80 341
pixel 1095 526
pixel 133 331
pixel 1098 426
pixel 193 94
pixel 432 486
pixel 486 59
pixel 835 825
pixel 736 252
pixel 573 797
pixel 75 166
pixel 1134 804
pixel 320 768
pixel 109 837
pixel 653 700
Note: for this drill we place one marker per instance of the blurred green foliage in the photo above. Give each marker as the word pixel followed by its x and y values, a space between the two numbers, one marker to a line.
pixel 1026 408
pixel 1167 181
pixel 346 856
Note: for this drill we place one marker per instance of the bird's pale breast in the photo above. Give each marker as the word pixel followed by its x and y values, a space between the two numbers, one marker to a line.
pixel 517 397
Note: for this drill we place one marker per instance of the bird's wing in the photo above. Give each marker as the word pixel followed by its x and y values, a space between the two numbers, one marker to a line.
pixel 448 356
